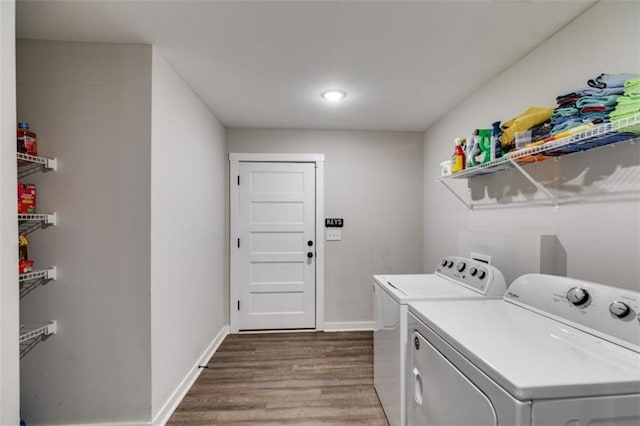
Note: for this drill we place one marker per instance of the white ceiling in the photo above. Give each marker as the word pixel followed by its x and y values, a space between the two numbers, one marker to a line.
pixel 264 64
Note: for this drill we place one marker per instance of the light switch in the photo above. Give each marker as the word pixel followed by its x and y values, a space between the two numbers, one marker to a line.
pixel 333 234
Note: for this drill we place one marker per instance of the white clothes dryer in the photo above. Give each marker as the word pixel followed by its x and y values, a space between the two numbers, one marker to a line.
pixel 454 278
pixel 555 351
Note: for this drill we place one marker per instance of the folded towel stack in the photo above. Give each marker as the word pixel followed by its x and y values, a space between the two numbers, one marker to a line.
pixel 629 103
pixel 591 104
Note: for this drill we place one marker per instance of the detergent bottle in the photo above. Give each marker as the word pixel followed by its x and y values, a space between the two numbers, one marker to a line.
pixel 472 149
pixel 458 158
pixel 496 144
pixel 484 141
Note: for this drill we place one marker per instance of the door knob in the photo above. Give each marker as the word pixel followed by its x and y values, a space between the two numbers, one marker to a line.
pixel 309 255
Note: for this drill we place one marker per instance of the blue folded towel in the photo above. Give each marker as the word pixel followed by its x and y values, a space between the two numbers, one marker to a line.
pixel 610 80
pixel 593 91
pixel 587 101
pixel 569 124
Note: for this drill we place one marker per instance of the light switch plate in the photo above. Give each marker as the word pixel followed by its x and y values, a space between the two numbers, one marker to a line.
pixel 333 234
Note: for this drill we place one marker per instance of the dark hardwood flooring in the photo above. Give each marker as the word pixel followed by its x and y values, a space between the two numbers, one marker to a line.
pixel 288 379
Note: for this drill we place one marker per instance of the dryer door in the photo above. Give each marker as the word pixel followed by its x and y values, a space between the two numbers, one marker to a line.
pixel 440 395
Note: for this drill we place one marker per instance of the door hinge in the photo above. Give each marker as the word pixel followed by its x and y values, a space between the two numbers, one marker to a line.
pixel 238 179
pixel 238 305
pixel 238 242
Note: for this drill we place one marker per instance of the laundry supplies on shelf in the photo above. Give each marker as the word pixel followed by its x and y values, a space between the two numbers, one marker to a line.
pixel 531 117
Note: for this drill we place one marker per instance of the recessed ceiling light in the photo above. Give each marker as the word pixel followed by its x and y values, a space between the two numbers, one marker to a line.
pixel 334 95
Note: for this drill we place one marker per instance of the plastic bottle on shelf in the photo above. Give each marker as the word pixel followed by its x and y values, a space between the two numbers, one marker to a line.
pixel 496 145
pixel 27 140
pixel 472 149
pixel 458 158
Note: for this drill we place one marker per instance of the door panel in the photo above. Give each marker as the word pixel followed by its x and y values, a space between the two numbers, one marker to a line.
pixel 276 220
pixel 438 394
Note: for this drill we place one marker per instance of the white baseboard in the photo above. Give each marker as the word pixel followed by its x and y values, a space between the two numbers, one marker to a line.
pixel 176 397
pixel 349 326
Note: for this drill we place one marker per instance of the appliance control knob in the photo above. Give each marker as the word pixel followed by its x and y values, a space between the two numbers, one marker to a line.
pixel 473 271
pixel 482 274
pixel 450 263
pixel 444 263
pixel 578 296
pixel 461 266
pixel 619 309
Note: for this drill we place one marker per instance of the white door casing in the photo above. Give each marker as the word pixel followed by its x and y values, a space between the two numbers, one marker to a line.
pixel 275 210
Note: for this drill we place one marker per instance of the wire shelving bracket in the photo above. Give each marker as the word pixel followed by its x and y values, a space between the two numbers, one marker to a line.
pixel 45 330
pixel 579 142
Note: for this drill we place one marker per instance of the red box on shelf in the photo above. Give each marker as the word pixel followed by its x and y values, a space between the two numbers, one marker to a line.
pixel 26 198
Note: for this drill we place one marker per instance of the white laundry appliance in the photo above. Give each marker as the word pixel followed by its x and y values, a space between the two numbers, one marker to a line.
pixel 555 351
pixel 454 278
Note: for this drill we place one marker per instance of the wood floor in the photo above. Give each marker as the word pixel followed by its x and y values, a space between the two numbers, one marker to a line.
pixel 288 379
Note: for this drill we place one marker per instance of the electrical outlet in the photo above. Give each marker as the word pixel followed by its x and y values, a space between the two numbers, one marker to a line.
pixel 333 234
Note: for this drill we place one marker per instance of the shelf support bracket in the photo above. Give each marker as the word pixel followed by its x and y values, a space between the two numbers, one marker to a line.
pixel 469 206
pixel 537 184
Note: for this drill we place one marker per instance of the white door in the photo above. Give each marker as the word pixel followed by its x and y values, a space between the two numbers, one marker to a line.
pixel 277 273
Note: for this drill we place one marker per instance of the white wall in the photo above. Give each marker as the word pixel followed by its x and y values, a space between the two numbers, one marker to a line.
pixel 9 381
pixel 374 181
pixel 189 290
pixel 90 105
pixel 601 240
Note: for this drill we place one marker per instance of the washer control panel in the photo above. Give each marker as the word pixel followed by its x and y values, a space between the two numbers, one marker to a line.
pixel 476 275
pixel 610 312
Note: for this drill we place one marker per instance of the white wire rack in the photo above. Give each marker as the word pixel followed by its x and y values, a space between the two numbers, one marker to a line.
pixel 45 274
pixel 31 332
pixel 49 163
pixel 48 218
pixel 582 141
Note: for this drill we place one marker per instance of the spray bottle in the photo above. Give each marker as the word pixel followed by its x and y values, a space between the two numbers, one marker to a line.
pixel 472 149
pixel 458 158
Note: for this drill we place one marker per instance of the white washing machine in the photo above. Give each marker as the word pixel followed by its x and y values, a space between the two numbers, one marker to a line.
pixel 454 278
pixel 555 351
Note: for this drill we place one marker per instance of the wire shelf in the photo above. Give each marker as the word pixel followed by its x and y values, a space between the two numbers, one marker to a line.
pixel 35 331
pixel 48 218
pixel 45 274
pixel 598 135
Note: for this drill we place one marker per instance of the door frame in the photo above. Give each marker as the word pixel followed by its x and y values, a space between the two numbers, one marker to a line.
pixel 234 207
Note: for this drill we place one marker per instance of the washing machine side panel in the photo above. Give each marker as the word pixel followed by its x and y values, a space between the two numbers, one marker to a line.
pixel 509 411
pixel 610 410
pixel 387 354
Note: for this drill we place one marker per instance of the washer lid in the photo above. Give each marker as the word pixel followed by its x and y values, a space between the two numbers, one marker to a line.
pixel 530 355
pixel 407 288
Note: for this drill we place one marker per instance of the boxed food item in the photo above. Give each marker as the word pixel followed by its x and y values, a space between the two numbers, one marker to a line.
pixel 27 139
pixel 26 198
pixel 25 265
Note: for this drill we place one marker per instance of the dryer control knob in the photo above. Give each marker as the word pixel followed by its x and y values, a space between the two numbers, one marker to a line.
pixel 482 274
pixel 443 263
pixel 450 263
pixel 578 296
pixel 619 309
pixel 473 271
pixel 461 266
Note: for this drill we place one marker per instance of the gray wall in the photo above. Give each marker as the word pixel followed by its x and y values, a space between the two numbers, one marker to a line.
pixel 9 381
pixel 91 107
pixel 374 181
pixel 188 236
pixel 599 235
